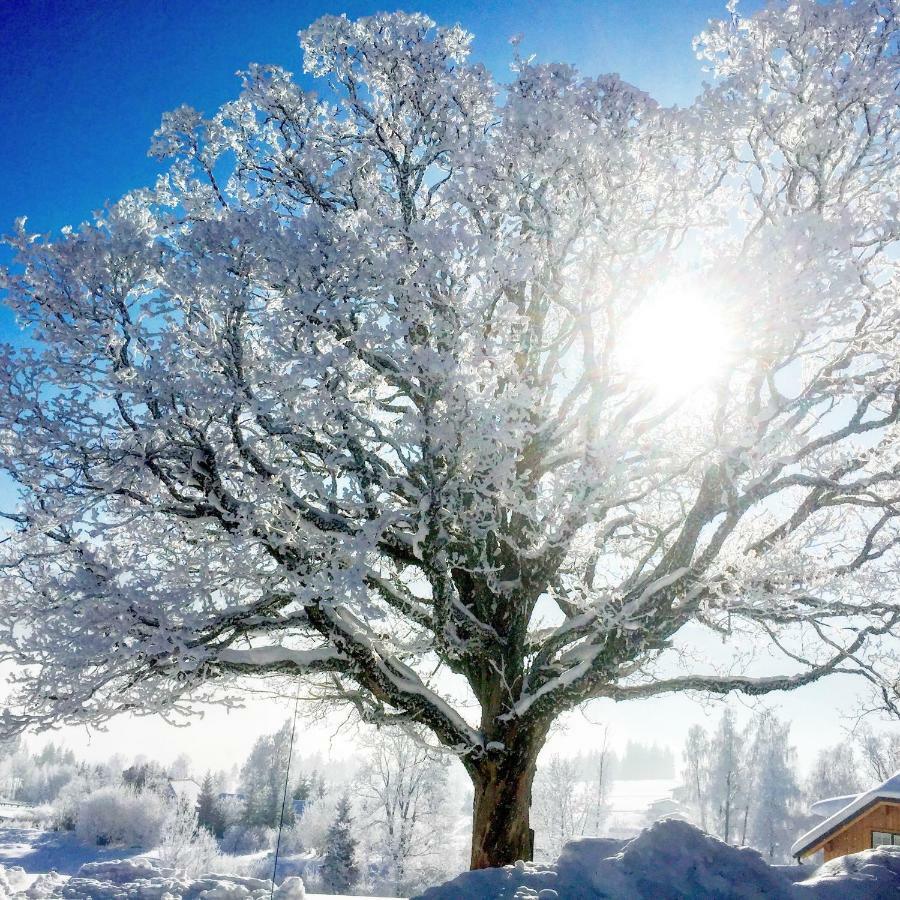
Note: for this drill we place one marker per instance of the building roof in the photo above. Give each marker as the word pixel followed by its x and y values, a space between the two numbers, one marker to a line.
pixel 888 790
pixel 831 805
pixel 185 789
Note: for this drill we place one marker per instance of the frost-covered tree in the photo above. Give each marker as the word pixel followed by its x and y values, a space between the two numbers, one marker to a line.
pixel 119 815
pixel 569 798
pixel 263 778
pixel 471 402
pixel 561 805
pixel 836 772
pixel 694 787
pixel 184 845
pixel 597 770
pixel 402 797
pixel 774 792
pixel 339 870
pixel 753 743
pixel 146 776
pixel 726 777
pixel 880 753
pixel 741 784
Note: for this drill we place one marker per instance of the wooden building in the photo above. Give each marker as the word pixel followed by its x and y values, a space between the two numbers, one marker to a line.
pixel 855 823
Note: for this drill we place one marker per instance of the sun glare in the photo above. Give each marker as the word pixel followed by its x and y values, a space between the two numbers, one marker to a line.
pixel 677 341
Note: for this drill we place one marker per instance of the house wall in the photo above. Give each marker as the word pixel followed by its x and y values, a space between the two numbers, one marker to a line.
pixel 858 834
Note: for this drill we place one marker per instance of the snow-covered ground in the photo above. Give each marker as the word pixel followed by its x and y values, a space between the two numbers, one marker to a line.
pixel 38 851
pixel 30 854
pixel 673 860
pixel 46 864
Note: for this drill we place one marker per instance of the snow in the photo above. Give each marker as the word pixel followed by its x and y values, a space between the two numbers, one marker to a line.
pixel 830 805
pixel 888 790
pixel 870 875
pixel 38 865
pixel 39 851
pixel 673 860
pixel 142 879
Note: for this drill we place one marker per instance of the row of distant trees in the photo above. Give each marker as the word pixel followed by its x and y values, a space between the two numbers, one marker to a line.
pixel 386 822
pixel 743 785
pixel 376 821
pixel 381 821
pixel 739 782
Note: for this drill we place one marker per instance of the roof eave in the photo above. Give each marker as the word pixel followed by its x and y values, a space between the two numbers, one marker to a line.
pixel 817 836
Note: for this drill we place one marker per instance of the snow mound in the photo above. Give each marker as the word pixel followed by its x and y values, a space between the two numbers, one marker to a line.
pixel 45 887
pixel 12 879
pixel 673 860
pixel 121 871
pixel 142 879
pixel 870 875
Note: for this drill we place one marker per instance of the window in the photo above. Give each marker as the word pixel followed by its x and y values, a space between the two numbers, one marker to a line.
pixel 882 838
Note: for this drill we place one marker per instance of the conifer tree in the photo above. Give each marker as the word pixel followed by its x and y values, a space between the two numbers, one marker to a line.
pixel 262 780
pixel 209 814
pixel 339 870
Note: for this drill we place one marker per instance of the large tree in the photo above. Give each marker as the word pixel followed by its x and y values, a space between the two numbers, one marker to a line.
pixel 472 402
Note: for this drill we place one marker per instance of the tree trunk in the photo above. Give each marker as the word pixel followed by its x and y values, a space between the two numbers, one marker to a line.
pixel 500 825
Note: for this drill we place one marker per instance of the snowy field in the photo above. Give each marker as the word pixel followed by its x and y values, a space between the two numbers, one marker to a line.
pixel 629 801
pixel 42 865
pixel 671 860
pixel 29 855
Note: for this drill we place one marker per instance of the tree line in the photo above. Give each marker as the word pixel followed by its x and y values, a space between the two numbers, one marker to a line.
pixel 743 785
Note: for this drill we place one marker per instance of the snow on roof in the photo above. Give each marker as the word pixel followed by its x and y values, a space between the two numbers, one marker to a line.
pixel 831 805
pixel 185 789
pixel 888 790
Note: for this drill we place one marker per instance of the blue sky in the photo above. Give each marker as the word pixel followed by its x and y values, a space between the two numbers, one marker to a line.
pixel 83 83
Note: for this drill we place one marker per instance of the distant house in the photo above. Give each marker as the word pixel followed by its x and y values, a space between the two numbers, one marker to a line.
pixel 15 811
pixel 664 808
pixel 854 823
pixel 185 790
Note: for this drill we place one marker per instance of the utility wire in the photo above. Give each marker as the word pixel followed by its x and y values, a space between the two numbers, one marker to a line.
pixel 287 775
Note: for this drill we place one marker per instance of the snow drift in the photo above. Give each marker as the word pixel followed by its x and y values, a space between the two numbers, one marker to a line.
pixel 670 860
pixel 673 860
pixel 141 879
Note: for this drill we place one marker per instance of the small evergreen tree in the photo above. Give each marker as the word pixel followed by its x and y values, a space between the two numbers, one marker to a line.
pixel 209 813
pixel 339 869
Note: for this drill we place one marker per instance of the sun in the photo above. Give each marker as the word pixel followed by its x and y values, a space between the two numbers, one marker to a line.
pixel 677 341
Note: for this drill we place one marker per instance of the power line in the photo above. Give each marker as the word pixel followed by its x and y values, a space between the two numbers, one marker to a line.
pixel 287 775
